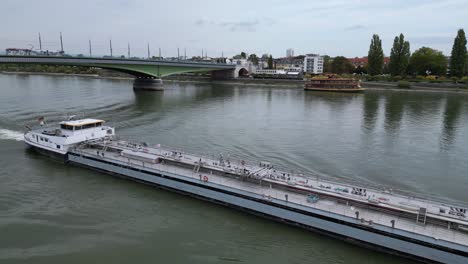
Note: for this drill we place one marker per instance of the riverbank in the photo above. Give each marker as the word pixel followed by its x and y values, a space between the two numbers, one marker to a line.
pixel 393 86
pixel 51 74
pixel 431 87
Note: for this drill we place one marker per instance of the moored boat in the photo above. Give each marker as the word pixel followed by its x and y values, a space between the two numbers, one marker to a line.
pixel 333 85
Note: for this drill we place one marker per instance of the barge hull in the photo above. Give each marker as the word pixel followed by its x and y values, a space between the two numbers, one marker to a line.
pixel 51 154
pixel 230 197
pixel 351 90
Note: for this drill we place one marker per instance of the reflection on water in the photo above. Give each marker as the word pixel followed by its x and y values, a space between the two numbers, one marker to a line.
pixel 337 101
pixel 394 106
pixel 371 108
pixel 451 116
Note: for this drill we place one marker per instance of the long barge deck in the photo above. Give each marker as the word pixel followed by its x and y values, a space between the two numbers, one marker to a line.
pixel 433 222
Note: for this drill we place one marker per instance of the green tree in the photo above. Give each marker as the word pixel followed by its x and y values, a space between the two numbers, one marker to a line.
pixel 327 63
pixel 341 65
pixel 360 70
pixel 253 58
pixel 428 61
pixel 458 58
pixel 399 56
pixel 270 62
pixel 375 56
pixel 385 69
pixel 466 65
pixel 60 69
pixel 243 55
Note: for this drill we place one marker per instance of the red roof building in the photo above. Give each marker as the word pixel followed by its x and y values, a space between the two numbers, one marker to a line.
pixel 363 61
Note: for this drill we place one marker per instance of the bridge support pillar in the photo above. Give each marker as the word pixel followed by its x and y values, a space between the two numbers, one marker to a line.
pixel 148 84
pixel 222 75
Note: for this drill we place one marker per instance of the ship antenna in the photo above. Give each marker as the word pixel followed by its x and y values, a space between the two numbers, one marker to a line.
pixel 61 42
pixel 40 42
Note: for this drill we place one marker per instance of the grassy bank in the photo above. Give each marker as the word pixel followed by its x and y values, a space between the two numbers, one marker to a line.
pixel 418 79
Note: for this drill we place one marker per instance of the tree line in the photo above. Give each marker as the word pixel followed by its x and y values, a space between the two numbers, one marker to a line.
pixel 47 68
pixel 424 61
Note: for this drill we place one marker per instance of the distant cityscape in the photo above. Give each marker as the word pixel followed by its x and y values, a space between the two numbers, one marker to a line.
pixel 289 66
pixel 423 62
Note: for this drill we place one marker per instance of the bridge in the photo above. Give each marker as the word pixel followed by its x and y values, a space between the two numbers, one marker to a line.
pixel 148 73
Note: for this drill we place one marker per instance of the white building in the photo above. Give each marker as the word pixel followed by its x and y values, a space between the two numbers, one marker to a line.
pixel 313 64
pixel 293 69
pixel 289 53
pixel 244 67
pixel 18 52
pixel 290 73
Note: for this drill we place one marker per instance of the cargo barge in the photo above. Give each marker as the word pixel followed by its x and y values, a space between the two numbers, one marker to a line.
pixel 425 229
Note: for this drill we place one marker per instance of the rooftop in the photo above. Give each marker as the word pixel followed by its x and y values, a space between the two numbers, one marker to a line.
pixel 81 122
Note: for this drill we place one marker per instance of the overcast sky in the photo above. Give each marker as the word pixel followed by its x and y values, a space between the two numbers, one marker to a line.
pixel 333 27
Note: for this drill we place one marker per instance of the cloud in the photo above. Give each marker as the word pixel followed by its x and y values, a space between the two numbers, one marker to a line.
pixel 325 7
pixel 263 21
pixel 200 22
pixel 249 26
pixel 204 22
pixel 355 27
pixel 431 40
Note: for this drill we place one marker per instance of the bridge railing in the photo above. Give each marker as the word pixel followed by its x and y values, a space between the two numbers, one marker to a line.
pixel 120 58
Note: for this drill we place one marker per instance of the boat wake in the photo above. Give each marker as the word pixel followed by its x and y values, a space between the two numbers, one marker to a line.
pixel 6 134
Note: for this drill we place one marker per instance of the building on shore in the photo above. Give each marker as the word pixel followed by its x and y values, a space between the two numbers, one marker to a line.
pixel 18 52
pixel 313 64
pixel 286 67
pixel 288 73
pixel 244 67
pixel 30 52
pixel 361 62
pixel 289 53
pixel 288 62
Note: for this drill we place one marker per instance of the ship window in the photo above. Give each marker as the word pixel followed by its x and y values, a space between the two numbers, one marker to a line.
pixel 58 146
pixel 46 140
pixel 92 125
pixel 67 127
pixel 42 139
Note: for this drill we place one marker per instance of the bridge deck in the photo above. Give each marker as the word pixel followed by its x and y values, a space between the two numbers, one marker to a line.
pixel 110 61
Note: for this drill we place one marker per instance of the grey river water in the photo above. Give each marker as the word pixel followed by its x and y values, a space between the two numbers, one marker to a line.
pixel 54 213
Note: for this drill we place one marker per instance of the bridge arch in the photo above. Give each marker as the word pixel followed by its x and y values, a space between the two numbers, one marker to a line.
pixel 148 73
pixel 153 71
pixel 243 72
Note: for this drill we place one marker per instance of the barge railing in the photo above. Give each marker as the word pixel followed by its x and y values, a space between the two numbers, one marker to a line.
pixel 283 197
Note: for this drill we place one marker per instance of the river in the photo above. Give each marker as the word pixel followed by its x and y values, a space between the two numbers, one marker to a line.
pixel 54 213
